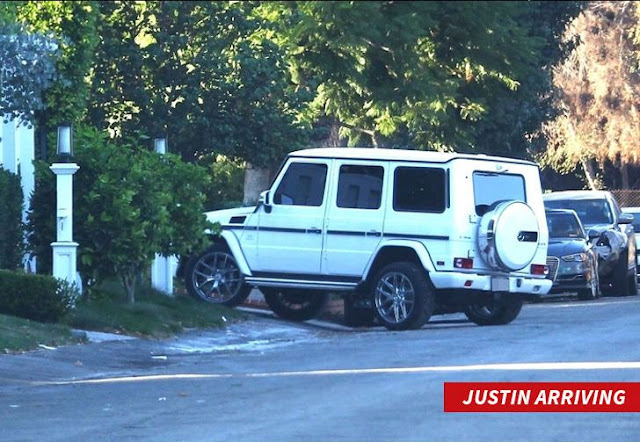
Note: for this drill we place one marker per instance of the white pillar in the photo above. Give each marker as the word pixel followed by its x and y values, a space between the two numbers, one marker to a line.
pixel 64 249
pixel 163 268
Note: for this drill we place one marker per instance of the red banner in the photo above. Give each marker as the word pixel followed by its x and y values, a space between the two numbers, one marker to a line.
pixel 542 397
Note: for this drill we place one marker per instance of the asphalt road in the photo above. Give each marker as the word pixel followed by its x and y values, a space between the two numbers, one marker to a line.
pixel 266 379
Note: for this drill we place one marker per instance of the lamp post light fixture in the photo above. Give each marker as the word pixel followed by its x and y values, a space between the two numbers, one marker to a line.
pixel 65 141
pixel 64 249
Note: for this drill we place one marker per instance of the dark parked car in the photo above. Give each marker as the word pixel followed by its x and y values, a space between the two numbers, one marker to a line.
pixel 610 230
pixel 571 258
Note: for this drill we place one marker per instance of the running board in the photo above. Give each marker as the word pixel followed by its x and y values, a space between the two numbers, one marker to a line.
pixel 299 284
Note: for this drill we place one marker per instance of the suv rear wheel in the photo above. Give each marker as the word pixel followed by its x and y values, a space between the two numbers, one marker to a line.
pixel 214 277
pixel 402 296
pixel 499 311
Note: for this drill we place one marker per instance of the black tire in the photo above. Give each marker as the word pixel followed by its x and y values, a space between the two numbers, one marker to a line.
pixel 497 312
pixel 624 281
pixel 358 312
pixel 295 305
pixel 402 296
pixel 593 292
pixel 214 276
pixel 633 284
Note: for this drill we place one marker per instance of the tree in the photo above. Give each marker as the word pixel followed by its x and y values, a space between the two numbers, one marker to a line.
pixel 598 90
pixel 28 68
pixel 73 26
pixel 430 75
pixel 207 73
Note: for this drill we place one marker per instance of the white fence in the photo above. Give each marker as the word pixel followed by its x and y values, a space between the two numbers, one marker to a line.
pixel 16 155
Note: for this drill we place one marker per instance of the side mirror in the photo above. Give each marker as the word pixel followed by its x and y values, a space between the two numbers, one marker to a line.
pixel 625 218
pixel 594 234
pixel 264 201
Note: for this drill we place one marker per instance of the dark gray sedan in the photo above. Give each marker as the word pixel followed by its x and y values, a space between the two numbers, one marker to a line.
pixel 572 259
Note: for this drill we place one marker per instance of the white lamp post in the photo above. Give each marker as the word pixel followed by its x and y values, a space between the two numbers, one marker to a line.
pixel 163 268
pixel 64 249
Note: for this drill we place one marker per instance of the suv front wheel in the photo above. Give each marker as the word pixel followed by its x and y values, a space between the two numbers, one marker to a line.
pixel 214 277
pixel 402 296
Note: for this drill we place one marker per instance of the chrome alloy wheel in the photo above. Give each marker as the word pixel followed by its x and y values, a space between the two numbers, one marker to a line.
pixel 216 277
pixel 394 297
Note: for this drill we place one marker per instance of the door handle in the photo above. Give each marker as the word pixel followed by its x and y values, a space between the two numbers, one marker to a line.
pixel 314 230
pixel 373 233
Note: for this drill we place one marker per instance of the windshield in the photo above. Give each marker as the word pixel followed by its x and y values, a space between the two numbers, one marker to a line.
pixel 564 225
pixel 590 212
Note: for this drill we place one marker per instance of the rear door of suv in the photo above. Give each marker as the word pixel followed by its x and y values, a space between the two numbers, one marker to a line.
pixel 355 216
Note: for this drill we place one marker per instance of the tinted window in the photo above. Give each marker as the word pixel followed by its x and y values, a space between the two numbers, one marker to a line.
pixel 590 212
pixel 302 185
pixel 489 187
pixel 360 187
pixel 419 189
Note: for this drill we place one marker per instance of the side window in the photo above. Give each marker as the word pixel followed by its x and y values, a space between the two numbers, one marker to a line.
pixel 419 189
pixel 360 187
pixel 302 185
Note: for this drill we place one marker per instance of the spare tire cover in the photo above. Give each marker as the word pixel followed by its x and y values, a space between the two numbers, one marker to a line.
pixel 508 235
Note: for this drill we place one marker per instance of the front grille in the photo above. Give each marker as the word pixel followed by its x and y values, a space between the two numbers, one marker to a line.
pixel 552 263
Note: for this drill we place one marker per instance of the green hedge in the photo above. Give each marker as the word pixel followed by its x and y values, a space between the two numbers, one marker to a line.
pixel 37 297
pixel 11 227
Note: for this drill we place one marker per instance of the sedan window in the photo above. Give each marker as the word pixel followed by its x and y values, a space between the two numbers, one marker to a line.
pixel 590 212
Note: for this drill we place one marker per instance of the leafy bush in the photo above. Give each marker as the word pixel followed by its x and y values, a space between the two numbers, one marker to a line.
pixel 11 228
pixel 129 204
pixel 37 297
pixel 226 188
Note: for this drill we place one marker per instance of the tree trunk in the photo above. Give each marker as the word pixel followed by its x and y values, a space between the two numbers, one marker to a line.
pixel 129 284
pixel 589 173
pixel 334 140
pixel 624 172
pixel 256 179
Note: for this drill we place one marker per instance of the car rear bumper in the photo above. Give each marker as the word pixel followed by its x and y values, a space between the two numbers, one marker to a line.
pixel 490 283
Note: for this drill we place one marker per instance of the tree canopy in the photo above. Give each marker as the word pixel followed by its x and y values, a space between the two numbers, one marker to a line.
pixel 464 76
pixel 597 95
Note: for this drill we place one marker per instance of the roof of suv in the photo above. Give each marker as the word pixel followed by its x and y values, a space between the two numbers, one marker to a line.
pixel 576 195
pixel 368 153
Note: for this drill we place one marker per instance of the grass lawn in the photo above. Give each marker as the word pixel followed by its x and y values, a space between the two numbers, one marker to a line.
pixel 18 334
pixel 153 315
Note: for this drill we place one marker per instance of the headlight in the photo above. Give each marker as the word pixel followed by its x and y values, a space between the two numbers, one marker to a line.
pixel 576 257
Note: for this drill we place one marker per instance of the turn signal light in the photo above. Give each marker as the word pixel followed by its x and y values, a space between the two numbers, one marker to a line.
pixel 539 269
pixel 463 263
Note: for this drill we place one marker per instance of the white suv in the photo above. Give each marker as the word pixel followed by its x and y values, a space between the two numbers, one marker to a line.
pixel 401 234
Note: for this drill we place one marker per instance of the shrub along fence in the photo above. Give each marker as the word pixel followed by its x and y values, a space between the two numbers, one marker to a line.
pixel 11 226
pixel 37 297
